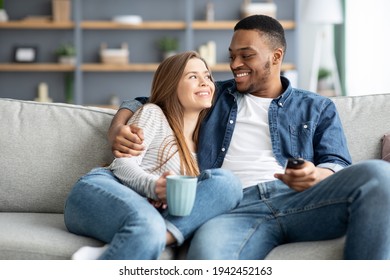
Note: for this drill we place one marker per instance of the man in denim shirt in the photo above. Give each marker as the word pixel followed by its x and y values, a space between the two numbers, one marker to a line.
pixel 258 121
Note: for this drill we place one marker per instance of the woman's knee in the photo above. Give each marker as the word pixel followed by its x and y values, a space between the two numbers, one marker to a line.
pixel 149 225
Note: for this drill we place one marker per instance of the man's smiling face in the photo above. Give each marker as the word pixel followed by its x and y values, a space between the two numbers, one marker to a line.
pixel 250 61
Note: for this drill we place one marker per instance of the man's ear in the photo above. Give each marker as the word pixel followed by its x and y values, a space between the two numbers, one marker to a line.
pixel 278 56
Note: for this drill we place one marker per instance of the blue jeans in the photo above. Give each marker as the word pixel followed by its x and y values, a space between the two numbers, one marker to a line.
pixel 354 202
pixel 99 206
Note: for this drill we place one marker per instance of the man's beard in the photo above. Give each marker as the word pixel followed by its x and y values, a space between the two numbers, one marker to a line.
pixel 252 86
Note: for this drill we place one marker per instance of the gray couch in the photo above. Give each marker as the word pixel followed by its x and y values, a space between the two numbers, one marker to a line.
pixel 45 148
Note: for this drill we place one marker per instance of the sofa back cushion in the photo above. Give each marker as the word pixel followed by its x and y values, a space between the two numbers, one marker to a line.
pixel 365 120
pixel 45 148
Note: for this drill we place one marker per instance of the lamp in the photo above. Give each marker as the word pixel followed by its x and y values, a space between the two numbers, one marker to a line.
pixel 323 13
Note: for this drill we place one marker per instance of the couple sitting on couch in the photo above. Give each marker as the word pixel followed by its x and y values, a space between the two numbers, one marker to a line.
pixel 255 123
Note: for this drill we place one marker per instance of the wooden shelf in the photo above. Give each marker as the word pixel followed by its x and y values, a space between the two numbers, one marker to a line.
pixel 101 67
pixel 156 25
pixel 151 67
pixel 32 24
pixel 43 67
pixel 229 25
pixel 131 67
pixel 176 25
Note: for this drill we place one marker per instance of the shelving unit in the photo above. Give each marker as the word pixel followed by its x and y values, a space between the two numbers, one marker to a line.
pixel 99 25
pixel 186 28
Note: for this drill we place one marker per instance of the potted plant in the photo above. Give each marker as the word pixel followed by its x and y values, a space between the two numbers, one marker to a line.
pixel 3 13
pixel 323 81
pixel 66 54
pixel 168 46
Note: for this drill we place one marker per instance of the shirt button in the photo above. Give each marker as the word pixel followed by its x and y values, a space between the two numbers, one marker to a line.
pixel 231 121
pixel 280 104
pixel 305 126
pixel 223 149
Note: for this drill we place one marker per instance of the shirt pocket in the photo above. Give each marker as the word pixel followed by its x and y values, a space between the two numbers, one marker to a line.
pixel 301 140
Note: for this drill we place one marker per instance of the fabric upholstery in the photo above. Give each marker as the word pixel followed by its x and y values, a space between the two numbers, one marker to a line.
pixel 38 236
pixel 365 120
pixel 45 148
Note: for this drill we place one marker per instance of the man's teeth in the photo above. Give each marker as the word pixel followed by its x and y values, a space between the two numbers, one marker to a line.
pixel 242 74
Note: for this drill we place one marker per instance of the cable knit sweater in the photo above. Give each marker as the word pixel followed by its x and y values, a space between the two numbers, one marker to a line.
pixel 141 172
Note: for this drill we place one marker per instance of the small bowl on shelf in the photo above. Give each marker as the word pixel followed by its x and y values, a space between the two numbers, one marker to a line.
pixel 128 19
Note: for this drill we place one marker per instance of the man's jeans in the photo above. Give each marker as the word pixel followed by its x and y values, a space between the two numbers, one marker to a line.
pixel 101 207
pixel 354 202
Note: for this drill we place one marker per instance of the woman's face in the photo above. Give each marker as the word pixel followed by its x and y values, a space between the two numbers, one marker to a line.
pixel 195 89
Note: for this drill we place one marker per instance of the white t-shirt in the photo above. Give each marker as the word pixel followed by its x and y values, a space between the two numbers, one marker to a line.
pixel 250 154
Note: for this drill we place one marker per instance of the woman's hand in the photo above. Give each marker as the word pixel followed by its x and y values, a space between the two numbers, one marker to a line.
pixel 161 189
pixel 304 177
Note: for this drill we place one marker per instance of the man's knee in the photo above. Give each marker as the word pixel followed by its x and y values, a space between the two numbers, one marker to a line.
pixel 224 184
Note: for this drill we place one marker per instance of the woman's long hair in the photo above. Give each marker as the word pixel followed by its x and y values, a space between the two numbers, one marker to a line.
pixel 164 94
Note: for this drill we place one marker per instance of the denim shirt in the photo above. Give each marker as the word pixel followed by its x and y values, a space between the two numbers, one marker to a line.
pixel 301 123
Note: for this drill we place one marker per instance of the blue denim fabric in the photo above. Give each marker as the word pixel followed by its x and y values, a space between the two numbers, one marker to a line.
pixel 101 207
pixel 302 124
pixel 354 201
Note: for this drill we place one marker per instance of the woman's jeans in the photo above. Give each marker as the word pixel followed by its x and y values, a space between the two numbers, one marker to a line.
pixel 99 206
pixel 354 202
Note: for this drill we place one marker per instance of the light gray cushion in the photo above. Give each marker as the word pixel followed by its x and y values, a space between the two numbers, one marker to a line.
pixel 45 148
pixel 365 120
pixel 38 236
pixel 318 250
pixel 43 236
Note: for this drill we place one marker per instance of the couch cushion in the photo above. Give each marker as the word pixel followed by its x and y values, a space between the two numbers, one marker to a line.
pixel 45 148
pixel 43 236
pixel 316 250
pixel 365 120
pixel 27 236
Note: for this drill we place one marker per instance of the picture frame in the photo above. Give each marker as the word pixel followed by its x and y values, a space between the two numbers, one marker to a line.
pixel 25 54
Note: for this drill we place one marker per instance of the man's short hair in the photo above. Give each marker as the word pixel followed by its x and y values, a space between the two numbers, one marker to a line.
pixel 267 26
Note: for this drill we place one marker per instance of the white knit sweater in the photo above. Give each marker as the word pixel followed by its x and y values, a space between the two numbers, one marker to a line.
pixel 140 173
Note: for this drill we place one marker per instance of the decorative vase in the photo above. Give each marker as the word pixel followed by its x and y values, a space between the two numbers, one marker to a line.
pixel 71 60
pixel 61 10
pixel 3 15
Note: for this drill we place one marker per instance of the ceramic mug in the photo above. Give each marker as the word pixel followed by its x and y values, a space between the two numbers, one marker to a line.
pixel 181 193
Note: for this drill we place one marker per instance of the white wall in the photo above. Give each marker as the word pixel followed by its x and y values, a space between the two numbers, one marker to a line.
pixel 367 52
pixel 367 47
pixel 307 36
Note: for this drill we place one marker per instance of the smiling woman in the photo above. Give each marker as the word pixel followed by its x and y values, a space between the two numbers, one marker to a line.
pixel 133 187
